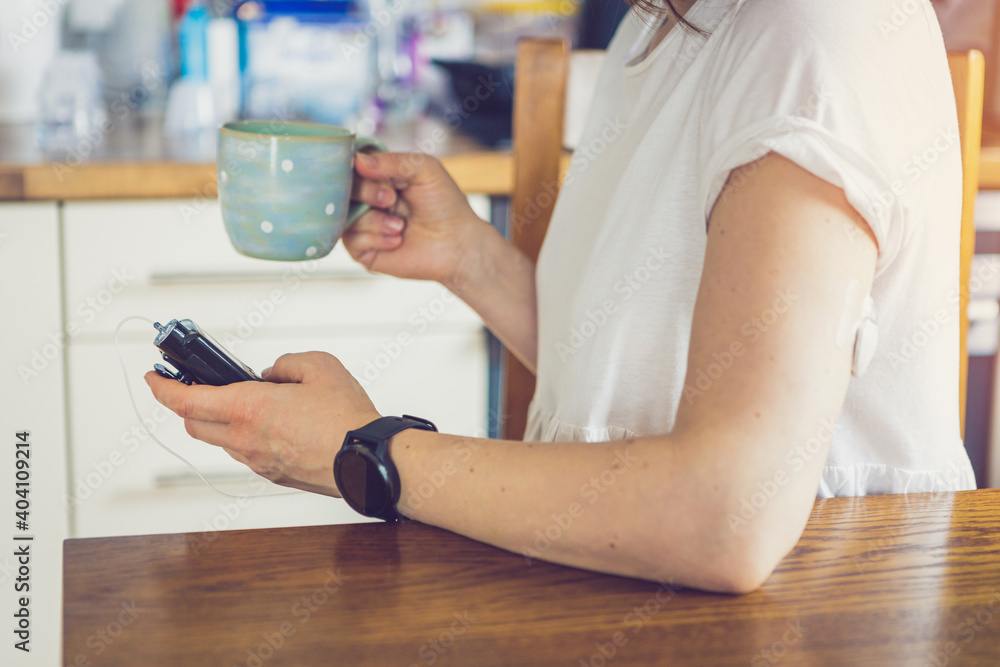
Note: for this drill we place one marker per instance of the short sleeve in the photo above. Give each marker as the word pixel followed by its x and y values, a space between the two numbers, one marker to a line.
pixel 825 86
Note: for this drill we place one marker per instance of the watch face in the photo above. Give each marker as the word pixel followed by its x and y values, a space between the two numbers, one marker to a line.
pixel 362 484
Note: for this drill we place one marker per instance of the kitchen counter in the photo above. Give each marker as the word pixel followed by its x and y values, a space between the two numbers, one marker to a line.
pixel 134 161
pixel 480 172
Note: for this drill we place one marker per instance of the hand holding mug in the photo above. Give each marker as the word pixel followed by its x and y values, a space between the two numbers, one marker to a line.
pixel 420 224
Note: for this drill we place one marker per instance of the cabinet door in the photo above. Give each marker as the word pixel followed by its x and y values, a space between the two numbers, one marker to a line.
pixel 124 483
pixel 31 400
pixel 172 259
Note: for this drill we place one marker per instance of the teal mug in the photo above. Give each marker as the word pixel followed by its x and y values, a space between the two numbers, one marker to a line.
pixel 285 187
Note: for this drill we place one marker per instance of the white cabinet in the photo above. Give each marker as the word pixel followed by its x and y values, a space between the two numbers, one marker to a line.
pixel 165 259
pixel 32 399
pixel 415 347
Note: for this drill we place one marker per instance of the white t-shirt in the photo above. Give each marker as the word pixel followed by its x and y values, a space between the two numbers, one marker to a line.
pixel 855 94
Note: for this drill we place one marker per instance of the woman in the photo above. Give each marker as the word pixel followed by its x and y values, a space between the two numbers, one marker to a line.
pixel 755 180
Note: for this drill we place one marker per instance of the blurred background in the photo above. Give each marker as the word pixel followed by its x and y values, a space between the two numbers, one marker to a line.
pixel 108 117
pixel 70 66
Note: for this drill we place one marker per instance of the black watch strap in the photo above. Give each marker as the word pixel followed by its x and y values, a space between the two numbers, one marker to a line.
pixel 375 436
pixel 384 428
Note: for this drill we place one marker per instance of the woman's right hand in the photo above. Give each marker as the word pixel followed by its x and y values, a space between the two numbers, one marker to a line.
pixel 420 223
pixel 421 226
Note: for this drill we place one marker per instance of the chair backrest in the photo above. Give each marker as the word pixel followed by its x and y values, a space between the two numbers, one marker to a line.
pixel 968 76
pixel 540 93
pixel 540 79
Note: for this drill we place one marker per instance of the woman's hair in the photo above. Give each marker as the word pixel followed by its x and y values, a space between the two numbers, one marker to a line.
pixel 656 10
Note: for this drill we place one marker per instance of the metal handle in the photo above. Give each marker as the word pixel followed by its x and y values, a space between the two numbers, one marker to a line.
pixel 187 478
pixel 189 277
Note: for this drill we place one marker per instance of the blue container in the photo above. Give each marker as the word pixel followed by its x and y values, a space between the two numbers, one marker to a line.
pixel 193 42
pixel 305 60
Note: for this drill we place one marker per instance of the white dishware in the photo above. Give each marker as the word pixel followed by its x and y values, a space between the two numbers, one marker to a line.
pixel 30 38
pixel 71 111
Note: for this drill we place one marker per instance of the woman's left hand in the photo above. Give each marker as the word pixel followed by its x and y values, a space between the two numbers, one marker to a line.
pixel 287 429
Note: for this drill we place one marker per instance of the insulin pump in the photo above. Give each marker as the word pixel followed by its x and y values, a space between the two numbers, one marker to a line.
pixel 197 357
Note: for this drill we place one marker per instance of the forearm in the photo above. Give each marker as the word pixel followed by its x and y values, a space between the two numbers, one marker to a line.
pixel 497 281
pixel 640 508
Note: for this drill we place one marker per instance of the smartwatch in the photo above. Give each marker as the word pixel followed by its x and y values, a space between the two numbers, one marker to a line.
pixel 363 471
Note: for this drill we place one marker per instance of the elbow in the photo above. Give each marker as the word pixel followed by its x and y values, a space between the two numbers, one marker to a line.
pixel 717 548
pixel 740 562
pixel 742 575
pixel 736 568
pixel 739 553
pixel 716 560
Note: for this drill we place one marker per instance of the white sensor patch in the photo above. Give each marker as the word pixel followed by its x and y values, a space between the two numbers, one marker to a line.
pixel 849 322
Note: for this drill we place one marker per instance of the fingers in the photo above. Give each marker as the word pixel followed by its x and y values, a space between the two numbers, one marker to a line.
pixel 376 231
pixel 378 222
pixel 379 194
pixel 212 433
pixel 198 402
pixel 219 435
pixel 365 246
pixel 382 176
pixel 400 170
pixel 301 367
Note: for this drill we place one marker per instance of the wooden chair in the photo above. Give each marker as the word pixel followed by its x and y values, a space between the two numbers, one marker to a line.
pixel 968 76
pixel 540 92
pixel 540 77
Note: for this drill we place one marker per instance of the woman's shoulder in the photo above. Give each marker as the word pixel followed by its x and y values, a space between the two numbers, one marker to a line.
pixel 820 15
pixel 819 26
pixel 829 86
pixel 861 49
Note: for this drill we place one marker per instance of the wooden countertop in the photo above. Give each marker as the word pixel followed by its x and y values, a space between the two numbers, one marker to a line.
pixel 878 580
pixel 134 168
pixel 136 161
pixel 484 172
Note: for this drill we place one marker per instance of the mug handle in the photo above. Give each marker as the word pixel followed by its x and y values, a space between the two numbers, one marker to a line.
pixel 370 145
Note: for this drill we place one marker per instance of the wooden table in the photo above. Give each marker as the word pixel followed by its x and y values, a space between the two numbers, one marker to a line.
pixel 880 580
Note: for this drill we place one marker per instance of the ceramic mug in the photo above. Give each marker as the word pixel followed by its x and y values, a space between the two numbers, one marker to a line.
pixel 285 187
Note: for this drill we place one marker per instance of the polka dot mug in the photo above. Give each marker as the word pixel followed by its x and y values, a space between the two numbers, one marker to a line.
pixel 285 187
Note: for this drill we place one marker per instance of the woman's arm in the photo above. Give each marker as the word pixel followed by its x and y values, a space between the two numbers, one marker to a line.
pixel 498 282
pixel 718 502
pixel 421 226
pixel 715 504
